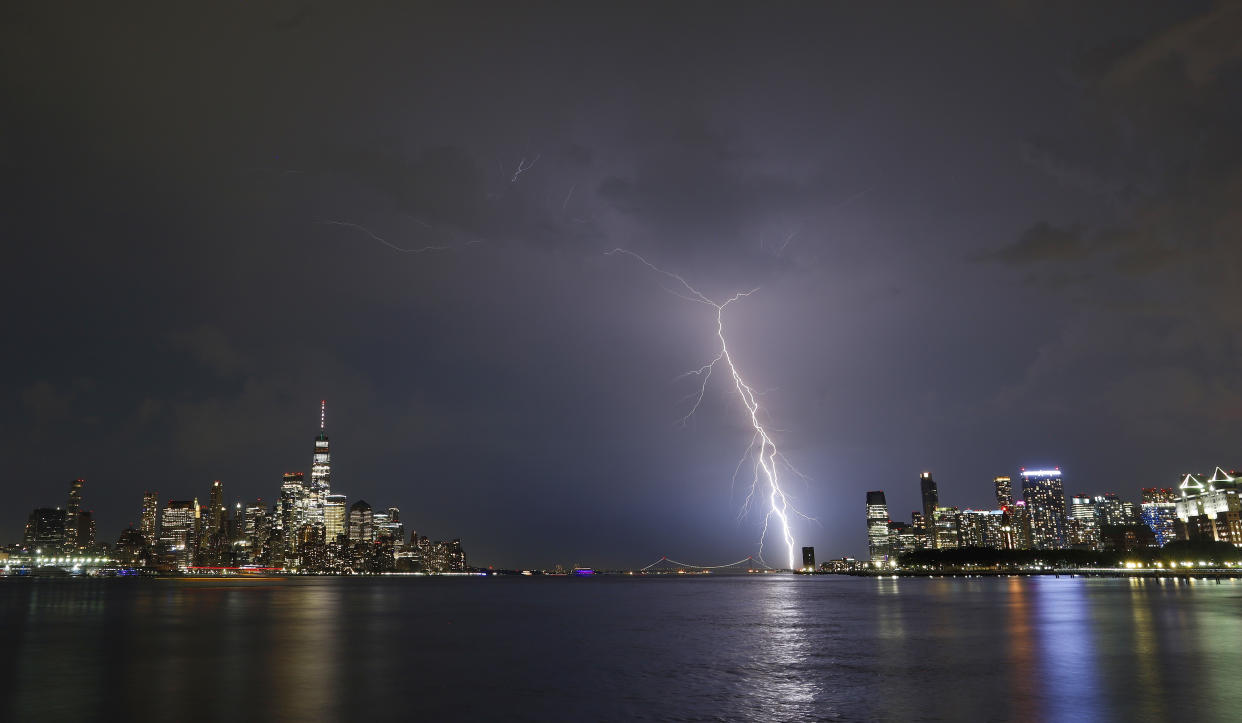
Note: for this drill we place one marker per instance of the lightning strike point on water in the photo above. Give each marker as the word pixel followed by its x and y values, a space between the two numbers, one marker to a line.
pixel 767 456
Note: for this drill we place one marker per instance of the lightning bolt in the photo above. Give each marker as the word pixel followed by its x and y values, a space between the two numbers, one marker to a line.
pixel 768 458
pixel 523 167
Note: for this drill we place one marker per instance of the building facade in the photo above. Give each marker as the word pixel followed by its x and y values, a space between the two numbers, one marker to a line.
pixel 877 526
pixel 1044 495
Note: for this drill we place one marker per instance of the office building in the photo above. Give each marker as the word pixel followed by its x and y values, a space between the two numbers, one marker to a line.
pixel 1082 529
pixel 808 559
pixel 972 528
pixel 877 526
pixel 45 530
pixel 1112 511
pixel 150 515
pixel 1161 517
pixel 335 517
pixel 1004 491
pixel 1166 495
pixel 945 530
pixel 1044 495
pixel 177 527
pixel 361 523
pixel 320 485
pixel 931 500
pixel 1210 508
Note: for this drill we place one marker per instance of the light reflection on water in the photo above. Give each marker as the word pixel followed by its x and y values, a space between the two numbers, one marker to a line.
pixel 747 648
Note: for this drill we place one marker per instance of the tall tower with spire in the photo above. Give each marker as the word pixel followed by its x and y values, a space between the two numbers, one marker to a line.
pixel 320 485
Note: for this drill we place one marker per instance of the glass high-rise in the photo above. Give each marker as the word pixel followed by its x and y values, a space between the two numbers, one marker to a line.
pixel 150 514
pixel 931 500
pixel 877 526
pixel 1004 491
pixel 1044 495
pixel 335 517
pixel 320 484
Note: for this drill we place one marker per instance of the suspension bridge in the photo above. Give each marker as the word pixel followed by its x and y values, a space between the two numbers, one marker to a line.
pixel 668 566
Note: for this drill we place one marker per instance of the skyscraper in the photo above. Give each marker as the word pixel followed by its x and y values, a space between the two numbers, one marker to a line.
pixel 1166 495
pixel 1082 528
pixel 291 509
pixel 45 530
pixel 808 559
pixel 177 529
pixel 360 523
pixel 945 528
pixel 150 512
pixel 877 526
pixel 335 513
pixel 931 500
pixel 215 509
pixel 1045 503
pixel 83 530
pixel 1004 491
pixel 71 513
pixel 321 473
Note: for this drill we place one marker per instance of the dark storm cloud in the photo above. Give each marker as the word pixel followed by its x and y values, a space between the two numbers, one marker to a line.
pixel 169 174
pixel 1154 346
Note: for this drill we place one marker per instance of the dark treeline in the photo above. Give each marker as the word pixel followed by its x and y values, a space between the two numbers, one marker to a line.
pixel 1174 552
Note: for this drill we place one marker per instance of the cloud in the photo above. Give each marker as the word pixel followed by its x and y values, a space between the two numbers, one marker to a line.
pixel 1044 242
pixel 209 346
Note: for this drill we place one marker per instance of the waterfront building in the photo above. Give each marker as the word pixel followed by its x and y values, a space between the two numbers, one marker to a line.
pixel 257 530
pixel 150 515
pixel 361 523
pixel 931 500
pixel 1161 517
pixel 945 528
pixel 1024 536
pixel 919 524
pixel 1044 495
pixel 808 559
pixel 1210 508
pixel 1112 511
pixel 177 527
pixel 388 527
pixel 444 556
pixel 291 509
pixel 132 547
pixel 72 514
pixel 1006 533
pixel 1004 492
pixel 1166 495
pixel 335 517
pixel 1082 529
pixel 83 530
pixel 972 529
pixel 45 529
pixel 903 538
pixel 877 526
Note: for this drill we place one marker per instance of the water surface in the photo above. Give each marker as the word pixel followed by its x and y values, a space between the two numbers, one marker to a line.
pixel 723 648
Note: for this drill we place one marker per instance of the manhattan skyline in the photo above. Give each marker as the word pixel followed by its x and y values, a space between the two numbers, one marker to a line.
pixel 1019 255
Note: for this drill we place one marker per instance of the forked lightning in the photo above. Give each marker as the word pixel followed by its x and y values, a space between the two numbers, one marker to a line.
pixel 767 457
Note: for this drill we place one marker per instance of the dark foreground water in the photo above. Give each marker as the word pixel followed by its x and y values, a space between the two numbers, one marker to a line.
pixel 757 648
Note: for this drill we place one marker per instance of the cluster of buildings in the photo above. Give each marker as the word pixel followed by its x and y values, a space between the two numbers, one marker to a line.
pixel 309 529
pixel 1202 507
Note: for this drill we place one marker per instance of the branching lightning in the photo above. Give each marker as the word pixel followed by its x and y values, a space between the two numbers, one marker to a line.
pixel 762 449
pixel 523 167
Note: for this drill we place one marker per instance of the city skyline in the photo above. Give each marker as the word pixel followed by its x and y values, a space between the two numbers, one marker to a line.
pixel 982 237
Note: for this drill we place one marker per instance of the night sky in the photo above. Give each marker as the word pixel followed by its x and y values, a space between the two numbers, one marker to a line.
pixel 986 236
